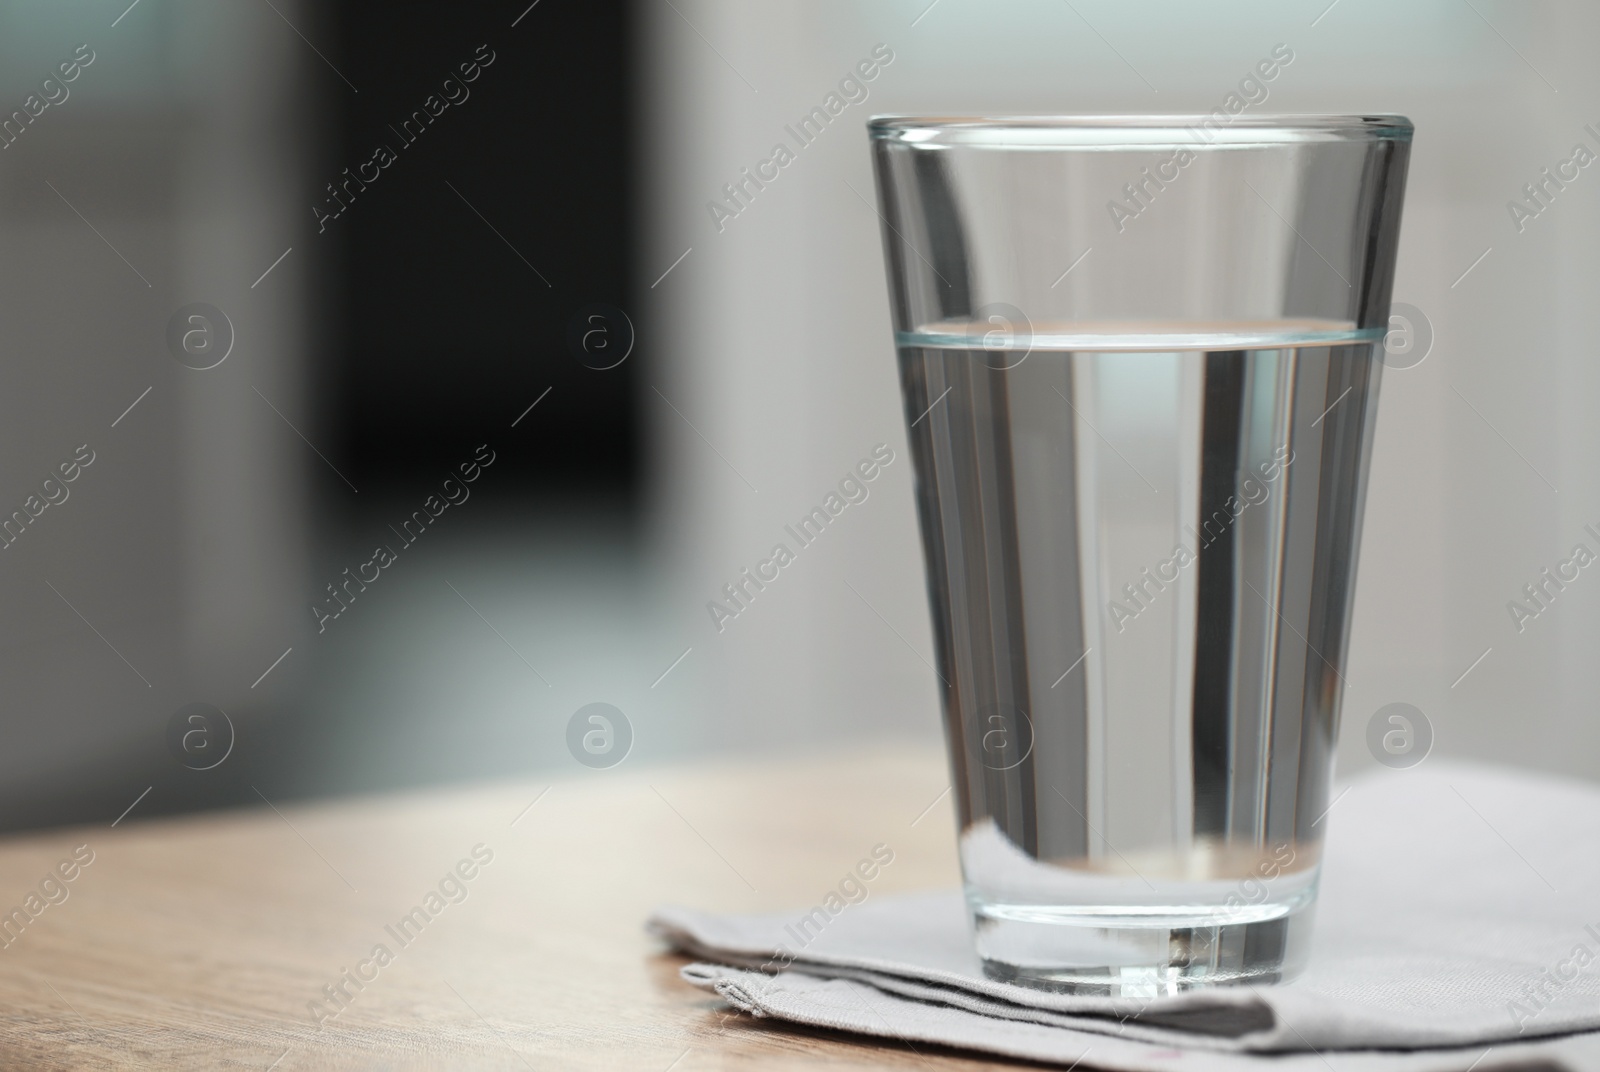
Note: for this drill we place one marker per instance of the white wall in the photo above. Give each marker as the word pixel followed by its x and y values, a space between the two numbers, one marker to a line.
pixel 776 342
pixel 183 146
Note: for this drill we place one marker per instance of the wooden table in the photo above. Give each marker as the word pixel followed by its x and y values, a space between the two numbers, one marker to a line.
pixel 201 942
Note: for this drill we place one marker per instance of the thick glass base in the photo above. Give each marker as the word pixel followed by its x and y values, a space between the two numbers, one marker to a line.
pixel 1145 953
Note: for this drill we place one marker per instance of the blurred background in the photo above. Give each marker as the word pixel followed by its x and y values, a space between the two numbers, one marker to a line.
pixel 305 281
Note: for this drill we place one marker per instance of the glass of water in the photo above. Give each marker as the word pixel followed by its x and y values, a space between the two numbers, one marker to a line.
pixel 1140 363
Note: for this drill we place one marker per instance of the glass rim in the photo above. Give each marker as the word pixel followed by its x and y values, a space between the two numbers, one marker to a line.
pixel 1133 131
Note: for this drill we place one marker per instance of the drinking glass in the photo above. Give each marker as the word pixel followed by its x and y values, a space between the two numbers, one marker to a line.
pixel 1140 361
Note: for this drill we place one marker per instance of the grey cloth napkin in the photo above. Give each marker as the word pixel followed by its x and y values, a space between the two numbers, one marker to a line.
pixel 1459 916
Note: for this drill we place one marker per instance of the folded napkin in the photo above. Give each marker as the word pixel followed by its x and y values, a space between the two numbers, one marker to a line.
pixel 1459 921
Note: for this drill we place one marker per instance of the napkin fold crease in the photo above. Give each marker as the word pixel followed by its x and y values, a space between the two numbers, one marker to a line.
pixel 1459 922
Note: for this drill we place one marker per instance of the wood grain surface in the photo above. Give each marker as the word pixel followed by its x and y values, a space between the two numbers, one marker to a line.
pixel 204 942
